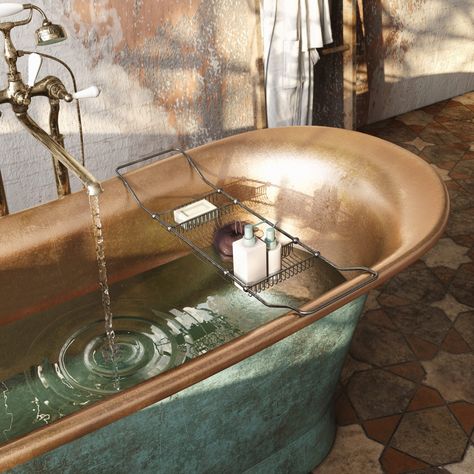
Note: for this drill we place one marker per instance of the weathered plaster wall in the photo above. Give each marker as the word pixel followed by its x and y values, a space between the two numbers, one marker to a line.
pixel 172 73
pixel 418 52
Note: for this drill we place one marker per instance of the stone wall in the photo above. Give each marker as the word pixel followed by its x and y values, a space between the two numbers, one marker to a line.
pixel 417 52
pixel 172 73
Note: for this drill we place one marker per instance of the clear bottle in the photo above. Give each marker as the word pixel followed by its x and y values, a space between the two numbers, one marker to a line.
pixel 273 251
pixel 249 257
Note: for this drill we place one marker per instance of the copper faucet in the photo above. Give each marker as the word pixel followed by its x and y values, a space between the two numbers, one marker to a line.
pixel 19 95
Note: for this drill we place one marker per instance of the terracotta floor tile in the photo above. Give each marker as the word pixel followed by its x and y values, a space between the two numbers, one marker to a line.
pixel 435 109
pixel 381 429
pixel 451 307
pixel 452 185
pixel 398 133
pixel 461 146
pixel 410 370
pixel 345 414
pixel 466 99
pixel 466 241
pixel 463 130
pixel 396 462
pixel 455 112
pixel 465 326
pixel 455 174
pixel 447 165
pixel 462 286
pixel 416 118
pixel 431 470
pixel 468 144
pixel 470 254
pixel 466 466
pixel 432 435
pixel 461 198
pixel 438 134
pixel 452 375
pixel 440 119
pixel 464 413
pixel 423 350
pixel 418 143
pixel 372 302
pixel 425 397
pixel 410 148
pixel 353 453
pixel 351 366
pixel 387 123
pixel 412 286
pixel 463 170
pixel 389 395
pixel 380 318
pixel 443 174
pixel 461 223
pixel 426 322
pixel 379 345
pixel 454 343
pixel 451 103
pixel 446 253
pixel 442 153
pixel 417 128
pixel 444 274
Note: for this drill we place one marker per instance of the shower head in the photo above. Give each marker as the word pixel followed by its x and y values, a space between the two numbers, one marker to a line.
pixel 49 33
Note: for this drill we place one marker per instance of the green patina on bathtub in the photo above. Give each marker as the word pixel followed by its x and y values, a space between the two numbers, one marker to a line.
pixel 272 412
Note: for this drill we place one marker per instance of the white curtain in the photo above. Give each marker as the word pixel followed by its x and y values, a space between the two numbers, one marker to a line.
pixel 292 30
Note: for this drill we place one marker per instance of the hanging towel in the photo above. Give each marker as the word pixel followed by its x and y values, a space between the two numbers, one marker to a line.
pixel 292 30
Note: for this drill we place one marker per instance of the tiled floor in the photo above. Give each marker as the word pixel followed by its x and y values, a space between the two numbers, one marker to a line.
pixel 406 400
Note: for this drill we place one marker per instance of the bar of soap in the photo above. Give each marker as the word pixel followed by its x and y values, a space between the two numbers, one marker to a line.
pixel 193 210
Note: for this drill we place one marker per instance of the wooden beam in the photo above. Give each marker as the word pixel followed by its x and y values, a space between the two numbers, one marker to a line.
pixel 349 37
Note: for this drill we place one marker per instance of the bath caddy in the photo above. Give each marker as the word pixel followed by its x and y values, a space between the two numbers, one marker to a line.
pixel 198 234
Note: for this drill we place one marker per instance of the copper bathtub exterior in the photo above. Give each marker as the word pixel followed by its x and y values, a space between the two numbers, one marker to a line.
pixel 372 204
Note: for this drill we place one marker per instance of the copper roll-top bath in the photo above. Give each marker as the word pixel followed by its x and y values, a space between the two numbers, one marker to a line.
pixel 366 202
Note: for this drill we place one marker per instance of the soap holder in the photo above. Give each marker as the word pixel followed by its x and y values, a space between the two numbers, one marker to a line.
pixel 218 208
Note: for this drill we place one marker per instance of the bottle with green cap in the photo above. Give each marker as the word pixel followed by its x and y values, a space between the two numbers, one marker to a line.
pixel 249 257
pixel 273 251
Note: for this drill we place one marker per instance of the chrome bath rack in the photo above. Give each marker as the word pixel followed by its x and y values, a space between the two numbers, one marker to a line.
pixel 198 233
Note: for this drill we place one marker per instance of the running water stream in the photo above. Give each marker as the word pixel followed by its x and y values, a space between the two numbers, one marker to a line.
pixel 102 266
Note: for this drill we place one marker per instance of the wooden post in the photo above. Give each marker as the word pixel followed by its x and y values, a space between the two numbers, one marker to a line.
pixel 3 198
pixel 349 63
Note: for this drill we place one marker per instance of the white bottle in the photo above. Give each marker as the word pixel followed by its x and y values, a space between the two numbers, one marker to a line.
pixel 249 257
pixel 273 251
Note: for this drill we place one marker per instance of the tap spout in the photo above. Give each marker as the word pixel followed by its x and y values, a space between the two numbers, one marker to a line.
pixel 92 185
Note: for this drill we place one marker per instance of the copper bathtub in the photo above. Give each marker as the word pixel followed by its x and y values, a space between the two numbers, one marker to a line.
pixel 357 199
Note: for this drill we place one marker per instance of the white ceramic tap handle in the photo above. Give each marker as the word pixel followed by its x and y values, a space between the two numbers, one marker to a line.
pixel 34 65
pixel 7 9
pixel 89 93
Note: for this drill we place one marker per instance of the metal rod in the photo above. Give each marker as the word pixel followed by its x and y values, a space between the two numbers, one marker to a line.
pixel 335 49
pixel 92 185
pixel 60 171
pixel 3 198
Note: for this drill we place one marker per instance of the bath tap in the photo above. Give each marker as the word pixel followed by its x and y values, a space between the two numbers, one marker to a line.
pixel 19 94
